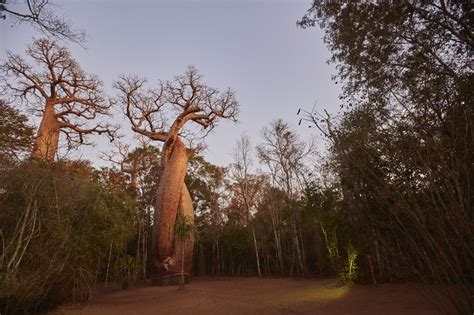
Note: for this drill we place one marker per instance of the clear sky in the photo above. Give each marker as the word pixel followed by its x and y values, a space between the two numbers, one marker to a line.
pixel 254 47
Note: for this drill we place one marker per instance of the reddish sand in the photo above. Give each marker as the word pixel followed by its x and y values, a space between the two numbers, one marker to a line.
pixel 259 296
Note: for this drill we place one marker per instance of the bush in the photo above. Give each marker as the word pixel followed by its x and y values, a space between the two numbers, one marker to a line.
pixel 57 222
pixel 349 273
pixel 127 269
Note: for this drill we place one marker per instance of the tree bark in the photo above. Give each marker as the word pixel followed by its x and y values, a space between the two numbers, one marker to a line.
pixel 47 138
pixel 172 198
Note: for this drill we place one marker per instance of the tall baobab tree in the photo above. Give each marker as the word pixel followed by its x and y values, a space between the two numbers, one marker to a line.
pixel 57 89
pixel 185 99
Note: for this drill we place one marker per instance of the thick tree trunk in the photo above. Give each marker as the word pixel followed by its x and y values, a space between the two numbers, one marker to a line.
pixel 47 138
pixel 172 198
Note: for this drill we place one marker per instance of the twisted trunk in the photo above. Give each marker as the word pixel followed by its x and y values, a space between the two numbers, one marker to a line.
pixel 173 198
pixel 47 138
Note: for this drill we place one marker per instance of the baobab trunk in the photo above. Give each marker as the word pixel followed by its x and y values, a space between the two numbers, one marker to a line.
pixel 47 138
pixel 173 198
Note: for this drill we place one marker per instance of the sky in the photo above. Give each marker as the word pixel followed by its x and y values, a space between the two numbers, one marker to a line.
pixel 253 47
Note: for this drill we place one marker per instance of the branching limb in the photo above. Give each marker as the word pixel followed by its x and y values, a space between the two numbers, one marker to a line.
pixel 40 15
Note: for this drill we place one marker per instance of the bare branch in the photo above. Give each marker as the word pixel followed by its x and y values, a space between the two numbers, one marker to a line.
pixel 186 96
pixel 39 14
pixel 68 99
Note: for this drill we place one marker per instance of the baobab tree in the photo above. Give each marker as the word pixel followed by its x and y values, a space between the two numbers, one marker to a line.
pixel 185 99
pixel 58 90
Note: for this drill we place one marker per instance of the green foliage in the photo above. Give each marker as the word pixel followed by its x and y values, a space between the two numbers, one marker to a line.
pixel 403 149
pixel 203 179
pixel 349 273
pixel 332 247
pixel 183 227
pixel 57 222
pixel 16 136
pixel 126 270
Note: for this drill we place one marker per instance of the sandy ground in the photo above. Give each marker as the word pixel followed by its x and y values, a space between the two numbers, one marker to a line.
pixel 259 296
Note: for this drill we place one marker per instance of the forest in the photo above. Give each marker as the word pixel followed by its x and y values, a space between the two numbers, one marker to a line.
pixel 385 196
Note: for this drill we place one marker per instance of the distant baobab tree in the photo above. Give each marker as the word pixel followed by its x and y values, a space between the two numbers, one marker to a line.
pixel 185 99
pixel 68 100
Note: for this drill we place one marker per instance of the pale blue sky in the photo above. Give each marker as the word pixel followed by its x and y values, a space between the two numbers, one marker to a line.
pixel 254 47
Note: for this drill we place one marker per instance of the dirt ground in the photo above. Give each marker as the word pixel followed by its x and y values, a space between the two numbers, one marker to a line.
pixel 259 296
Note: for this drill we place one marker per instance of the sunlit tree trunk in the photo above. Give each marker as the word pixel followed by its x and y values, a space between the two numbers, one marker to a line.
pixel 47 138
pixel 172 198
pixel 69 99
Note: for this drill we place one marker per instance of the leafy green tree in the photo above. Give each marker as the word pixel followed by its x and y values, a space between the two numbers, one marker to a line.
pixel 16 135
pixel 403 149
pixel 206 184
pixel 413 51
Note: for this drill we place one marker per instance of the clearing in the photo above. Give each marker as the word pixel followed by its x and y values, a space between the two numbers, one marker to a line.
pixel 259 296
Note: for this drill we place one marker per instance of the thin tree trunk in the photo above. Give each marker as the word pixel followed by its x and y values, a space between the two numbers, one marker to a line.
pixel 379 262
pixel 202 261
pixel 303 253
pixel 108 266
pixel 371 268
pixel 256 252
pixel 218 259
pixel 137 255
pixel 144 252
pixel 276 234
pixel 296 245
pixel 292 261
pixel 276 240
pixel 181 284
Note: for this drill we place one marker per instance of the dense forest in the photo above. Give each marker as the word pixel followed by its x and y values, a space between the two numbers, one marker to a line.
pixel 387 199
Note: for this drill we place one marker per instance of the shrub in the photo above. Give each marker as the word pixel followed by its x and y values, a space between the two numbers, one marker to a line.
pixel 57 222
